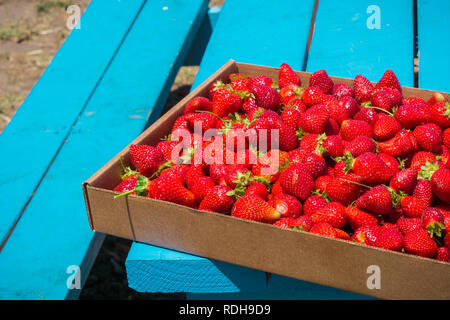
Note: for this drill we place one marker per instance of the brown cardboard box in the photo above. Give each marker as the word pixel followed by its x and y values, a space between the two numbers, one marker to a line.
pixel 336 263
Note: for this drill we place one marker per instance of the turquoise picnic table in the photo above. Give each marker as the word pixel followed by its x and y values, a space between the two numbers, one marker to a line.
pixel 110 80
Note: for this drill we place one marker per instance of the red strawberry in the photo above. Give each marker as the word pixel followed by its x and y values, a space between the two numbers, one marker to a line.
pixel 310 142
pixel 408 224
pixel 395 95
pixel 380 99
pixel 284 223
pixel 296 180
pixel 368 115
pixel 341 234
pixel 412 100
pixel 443 254
pixel 377 200
pixel 126 185
pixel 385 127
pixel 198 103
pixel 366 235
pixel 315 119
pixel 266 97
pixel 391 162
pixel 435 98
pixel 420 159
pixel 333 146
pixel 389 239
pixel 304 223
pixel 363 88
pixel 291 117
pixel 423 191
pixel 297 104
pixel 171 190
pixel 440 184
pixel 324 229
pixel 343 109
pixel 341 89
pixel 286 205
pixel 254 208
pixel 360 145
pixel 321 80
pixel 249 105
pixel 433 221
pixel 313 204
pixel 287 76
pixel 400 145
pixel 226 101
pixel 218 84
pixel 350 129
pixel 315 164
pixel 404 181
pixel 312 96
pixel 409 116
pixel 440 114
pixel 240 83
pixel 358 218
pixel 217 200
pixel 413 207
pixel 372 169
pixel 333 213
pixel 419 242
pixel 389 80
pixel 201 188
pixel 146 159
pixel 289 93
pixel 263 79
pixel 427 138
pixel 203 121
pixel 258 189
pixel 343 190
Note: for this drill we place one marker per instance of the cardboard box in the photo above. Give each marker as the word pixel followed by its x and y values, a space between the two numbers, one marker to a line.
pixel 301 255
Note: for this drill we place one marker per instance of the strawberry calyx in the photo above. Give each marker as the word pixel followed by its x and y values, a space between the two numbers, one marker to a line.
pixel 300 133
pixel 128 172
pixel 427 171
pixel 166 138
pixel 284 165
pixel 323 194
pixel 165 165
pixel 140 189
pixel 396 197
pixel 298 228
pixel 435 228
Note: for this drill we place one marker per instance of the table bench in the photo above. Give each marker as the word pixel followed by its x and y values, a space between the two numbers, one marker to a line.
pixel 343 43
pixel 110 80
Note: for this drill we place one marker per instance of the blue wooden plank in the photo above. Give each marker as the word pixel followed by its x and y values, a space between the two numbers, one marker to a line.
pixel 344 45
pixel 270 34
pixel 251 39
pixel 433 25
pixel 54 232
pixel 41 124
pixel 148 270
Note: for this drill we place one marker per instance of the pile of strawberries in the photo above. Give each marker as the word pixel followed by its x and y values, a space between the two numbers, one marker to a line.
pixel 362 164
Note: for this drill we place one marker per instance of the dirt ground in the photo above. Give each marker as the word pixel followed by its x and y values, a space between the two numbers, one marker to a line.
pixel 31 32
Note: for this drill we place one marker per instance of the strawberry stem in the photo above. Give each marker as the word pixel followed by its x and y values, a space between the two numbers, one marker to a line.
pixel 357 183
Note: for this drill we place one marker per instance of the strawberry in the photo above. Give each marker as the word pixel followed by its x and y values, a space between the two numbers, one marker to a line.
pixel 341 89
pixel 368 115
pixel 226 101
pixel 284 223
pixel 321 80
pixel 171 190
pixel 303 223
pixel 343 189
pixel 440 184
pixel 400 145
pixel 435 98
pixel 443 254
pixel 297 104
pixel 321 183
pixel 258 189
pixel 315 119
pixel 421 158
pixel 377 200
pixel 333 213
pixel 385 127
pixel 423 191
pixel 389 80
pixel 333 146
pixel 238 175
pixel 276 188
pixel 324 229
pixel 363 88
pixel 341 234
pixel 289 93
pixel 203 121
pixel 413 100
pixel 310 142
pixel 217 200
pixel 409 116
pixel 315 164
pixel 367 234
pixel 126 185
pixel 240 83
pixel 389 239
pixel 146 159
pixel 419 242
pixel 360 145
pixel 440 114
pixel 291 117
pixel 263 79
pixel 198 103
pixel 249 105
pixel 358 218
pixel 287 76
pixel 166 147
pixel 413 207
pixel 296 180
pixel 265 96
pixel 404 181
pixel 408 224
pixel 312 96
pixel 312 204
pixel 391 162
pixel 433 220
pixel 372 169
pixel 350 129
pixel 381 100
pixel 286 205
pixel 395 95
pixel 201 188
pixel 428 138
pixel 218 84
pixel 254 208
